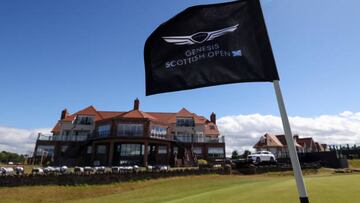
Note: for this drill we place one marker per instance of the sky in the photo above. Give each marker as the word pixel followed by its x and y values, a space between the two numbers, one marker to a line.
pixel 72 54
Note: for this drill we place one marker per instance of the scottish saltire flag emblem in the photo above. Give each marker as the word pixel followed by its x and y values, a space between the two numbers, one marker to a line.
pixel 236 53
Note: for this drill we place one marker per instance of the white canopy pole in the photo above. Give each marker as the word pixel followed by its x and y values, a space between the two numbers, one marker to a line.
pixel 291 145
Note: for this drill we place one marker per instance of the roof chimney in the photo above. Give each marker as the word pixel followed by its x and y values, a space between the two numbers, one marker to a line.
pixel 213 117
pixel 136 104
pixel 64 114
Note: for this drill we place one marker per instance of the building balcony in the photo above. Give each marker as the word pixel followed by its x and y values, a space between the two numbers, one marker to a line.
pixel 199 139
pixel 81 138
pixel 68 138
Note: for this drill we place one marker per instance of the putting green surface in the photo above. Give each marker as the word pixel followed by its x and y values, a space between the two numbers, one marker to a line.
pixel 210 188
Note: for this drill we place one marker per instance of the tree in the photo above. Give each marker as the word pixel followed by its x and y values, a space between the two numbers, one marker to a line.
pixel 235 154
pixel 13 157
pixel 245 154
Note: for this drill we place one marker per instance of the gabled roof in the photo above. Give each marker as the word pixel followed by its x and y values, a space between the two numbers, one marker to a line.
pixel 211 129
pixel 56 128
pixel 268 140
pixel 138 114
pixel 319 147
pixel 110 114
pixel 163 117
pixel 282 139
pixel 185 113
pixel 90 111
pixel 306 142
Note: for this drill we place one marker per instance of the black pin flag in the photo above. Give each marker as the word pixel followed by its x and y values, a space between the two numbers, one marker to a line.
pixel 209 45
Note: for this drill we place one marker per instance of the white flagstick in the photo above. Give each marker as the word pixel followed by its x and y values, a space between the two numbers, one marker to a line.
pixel 291 145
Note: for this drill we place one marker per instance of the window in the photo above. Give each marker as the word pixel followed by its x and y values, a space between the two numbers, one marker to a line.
pixel 104 130
pixel 162 150
pixel 64 148
pixel 130 149
pixel 175 149
pixel 158 132
pixel 45 150
pixel 130 130
pixel 66 132
pixel 101 149
pixel 185 122
pixel 216 152
pixel 183 138
pixel 89 150
pixel 82 132
pixel 199 138
pixel 83 120
pixel 197 150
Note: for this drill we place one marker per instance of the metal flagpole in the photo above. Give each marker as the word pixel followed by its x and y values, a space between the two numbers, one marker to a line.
pixel 291 145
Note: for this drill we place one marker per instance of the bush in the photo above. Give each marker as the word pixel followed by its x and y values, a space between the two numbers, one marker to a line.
pixel 202 162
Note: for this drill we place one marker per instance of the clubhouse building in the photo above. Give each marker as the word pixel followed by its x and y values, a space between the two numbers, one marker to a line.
pixel 114 138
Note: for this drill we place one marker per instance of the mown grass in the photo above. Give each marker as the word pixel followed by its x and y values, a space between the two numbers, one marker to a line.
pixel 354 163
pixel 325 187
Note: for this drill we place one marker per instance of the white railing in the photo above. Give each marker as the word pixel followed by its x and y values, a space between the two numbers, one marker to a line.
pixel 199 139
pixel 187 139
pixel 71 138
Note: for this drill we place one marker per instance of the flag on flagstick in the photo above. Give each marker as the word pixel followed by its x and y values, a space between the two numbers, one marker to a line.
pixel 212 45
pixel 209 45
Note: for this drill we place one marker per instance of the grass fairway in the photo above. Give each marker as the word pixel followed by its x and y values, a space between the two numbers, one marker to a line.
pixel 210 188
pixel 355 163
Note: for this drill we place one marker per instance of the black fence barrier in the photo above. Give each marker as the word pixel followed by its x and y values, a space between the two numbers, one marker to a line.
pixel 96 179
pixel 330 159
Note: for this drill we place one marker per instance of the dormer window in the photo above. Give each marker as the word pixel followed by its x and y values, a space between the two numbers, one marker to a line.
pixel 83 120
pixel 185 122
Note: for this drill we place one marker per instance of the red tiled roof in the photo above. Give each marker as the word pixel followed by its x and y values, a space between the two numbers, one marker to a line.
pixel 88 111
pixel 308 142
pixel 56 128
pixel 110 114
pixel 268 140
pixel 211 129
pixel 162 117
pixel 184 112
pixel 282 139
pixel 137 114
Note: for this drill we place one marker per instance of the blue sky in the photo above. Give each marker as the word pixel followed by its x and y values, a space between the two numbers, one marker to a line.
pixel 71 54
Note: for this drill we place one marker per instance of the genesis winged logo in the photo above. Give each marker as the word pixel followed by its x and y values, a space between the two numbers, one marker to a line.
pixel 199 37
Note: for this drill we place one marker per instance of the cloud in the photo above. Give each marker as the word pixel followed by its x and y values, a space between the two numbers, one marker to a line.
pixel 243 131
pixel 19 140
